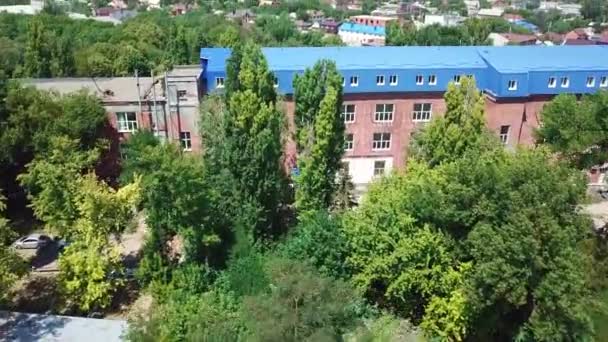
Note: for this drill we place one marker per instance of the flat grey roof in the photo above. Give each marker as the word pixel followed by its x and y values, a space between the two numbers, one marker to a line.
pixel 25 327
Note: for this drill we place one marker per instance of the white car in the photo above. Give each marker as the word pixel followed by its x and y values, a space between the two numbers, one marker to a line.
pixel 32 241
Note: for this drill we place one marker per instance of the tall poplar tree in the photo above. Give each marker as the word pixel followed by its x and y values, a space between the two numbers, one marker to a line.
pixel 252 149
pixel 460 129
pixel 36 58
pixel 319 134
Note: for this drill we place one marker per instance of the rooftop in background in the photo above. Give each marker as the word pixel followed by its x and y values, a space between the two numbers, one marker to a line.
pixel 109 89
pixel 16 326
pixel 365 29
pixel 503 59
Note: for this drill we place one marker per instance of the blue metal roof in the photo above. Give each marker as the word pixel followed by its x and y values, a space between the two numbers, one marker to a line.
pixel 353 58
pixel 529 67
pixel 519 59
pixel 365 29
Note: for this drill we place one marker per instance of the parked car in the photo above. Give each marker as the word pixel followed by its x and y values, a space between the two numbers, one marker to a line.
pixel 62 244
pixel 32 241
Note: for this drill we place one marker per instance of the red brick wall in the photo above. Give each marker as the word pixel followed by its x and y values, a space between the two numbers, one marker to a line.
pixel 497 114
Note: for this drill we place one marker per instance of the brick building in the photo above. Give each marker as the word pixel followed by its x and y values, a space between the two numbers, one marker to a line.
pixel 391 91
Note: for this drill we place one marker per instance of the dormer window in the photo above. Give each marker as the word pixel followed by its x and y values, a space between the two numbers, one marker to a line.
pixel 392 80
pixel 432 80
pixel 512 85
pixel 590 82
pixel 380 80
pixel 419 80
pixel 552 82
pixel 604 82
pixel 354 81
pixel 219 82
pixel 456 79
pixel 565 82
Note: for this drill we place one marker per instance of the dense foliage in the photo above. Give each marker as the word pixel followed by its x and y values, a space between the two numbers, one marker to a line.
pixel 576 129
pixel 319 131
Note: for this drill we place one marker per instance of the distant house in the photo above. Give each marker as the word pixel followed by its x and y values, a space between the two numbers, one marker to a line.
pixel 330 26
pixel 372 20
pixel 353 34
pixel 565 8
pixel 473 7
pixel 579 36
pixel 502 39
pixel 494 12
pixel 552 38
pixel 511 17
pixel 525 24
pixel 447 20
pixel 303 26
pixel 315 16
pixel 269 2
pixel 114 14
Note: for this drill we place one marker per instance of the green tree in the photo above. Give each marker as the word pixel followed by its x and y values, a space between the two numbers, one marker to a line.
pixel 252 150
pixel 88 265
pixel 318 240
pixel 36 57
pixel 461 128
pixel 11 265
pixel 344 195
pixel 576 129
pixel 300 306
pixel 319 134
pixel 593 9
pixel 49 180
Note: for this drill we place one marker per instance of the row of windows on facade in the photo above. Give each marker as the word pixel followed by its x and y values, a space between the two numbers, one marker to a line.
pixel 382 141
pixel 432 80
pixel 127 123
pixel 564 82
pixel 385 112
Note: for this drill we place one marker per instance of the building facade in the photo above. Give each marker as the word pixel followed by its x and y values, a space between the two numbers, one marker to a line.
pixel 389 92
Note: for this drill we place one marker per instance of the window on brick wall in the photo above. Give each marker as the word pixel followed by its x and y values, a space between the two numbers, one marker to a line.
pixel 186 141
pixel 422 112
pixel 504 134
pixel 348 113
pixel 379 167
pixel 419 80
pixel 219 82
pixel 381 141
pixel 380 80
pixel 349 142
pixel 126 121
pixel 384 112
pixel 432 79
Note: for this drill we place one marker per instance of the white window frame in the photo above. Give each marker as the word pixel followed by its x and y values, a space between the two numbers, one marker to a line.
pixel 343 81
pixel 348 116
pixel 512 85
pixel 422 115
pixel 504 137
pixel 378 173
pixel 381 144
pixel 275 81
pixel 590 81
pixel 603 81
pixel 393 80
pixel 349 145
pixel 185 140
pixel 219 82
pixel 384 115
pixel 457 79
pixel 564 82
pixel 552 83
pixel 354 81
pixel 380 80
pixel 432 79
pixel 419 79
pixel 124 124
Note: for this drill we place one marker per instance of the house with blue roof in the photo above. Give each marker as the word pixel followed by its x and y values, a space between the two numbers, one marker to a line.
pixel 389 92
